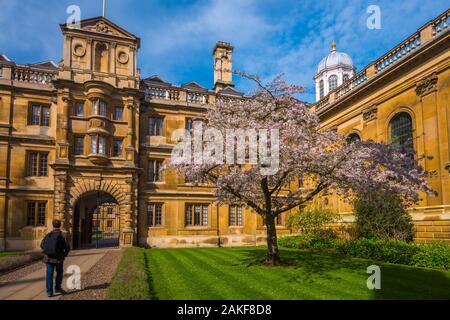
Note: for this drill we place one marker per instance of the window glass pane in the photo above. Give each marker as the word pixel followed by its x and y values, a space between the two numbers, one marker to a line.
pixel 118 114
pixel 151 171
pixel 401 132
pixel 332 82
pixel 117 152
pixel 197 211
pixel 159 127
pixel 43 161
pixel 189 125
pixel 101 145
pixel 158 173
pixel 95 107
pixel 204 215
pixel 31 218
pixel 188 215
pixel 158 215
pixel 150 211
pixel 151 126
pixel 232 220
pixel 102 109
pixel 94 144
pixel 79 109
pixel 239 216
pixel 33 164
pixel 41 213
pixel 79 146
pixel 321 89
pixel 35 115
pixel 45 116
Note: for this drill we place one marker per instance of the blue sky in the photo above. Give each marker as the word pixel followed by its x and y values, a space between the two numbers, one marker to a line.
pixel 270 37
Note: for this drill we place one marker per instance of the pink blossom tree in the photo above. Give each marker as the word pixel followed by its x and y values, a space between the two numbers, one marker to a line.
pixel 322 157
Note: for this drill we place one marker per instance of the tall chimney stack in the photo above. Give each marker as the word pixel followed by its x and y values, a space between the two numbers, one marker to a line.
pixel 223 65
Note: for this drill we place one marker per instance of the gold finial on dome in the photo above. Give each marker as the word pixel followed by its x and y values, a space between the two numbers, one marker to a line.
pixel 333 46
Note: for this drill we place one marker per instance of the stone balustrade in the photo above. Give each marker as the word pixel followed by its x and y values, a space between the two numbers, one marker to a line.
pixel 195 97
pixel 155 93
pixel 160 93
pixel 433 29
pixel 31 75
pixel 441 24
pixel 351 84
pixel 400 51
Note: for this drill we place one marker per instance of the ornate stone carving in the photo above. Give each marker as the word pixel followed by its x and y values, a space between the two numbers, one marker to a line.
pixel 123 57
pixel 370 114
pixel 97 124
pixel 79 50
pixel 427 85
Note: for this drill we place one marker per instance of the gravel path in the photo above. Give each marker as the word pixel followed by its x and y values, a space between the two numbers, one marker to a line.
pixel 20 273
pixel 95 282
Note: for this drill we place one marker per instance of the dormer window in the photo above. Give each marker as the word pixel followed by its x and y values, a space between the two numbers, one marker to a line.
pixel 99 108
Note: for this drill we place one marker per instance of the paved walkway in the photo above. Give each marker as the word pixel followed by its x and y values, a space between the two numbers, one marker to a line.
pixel 32 287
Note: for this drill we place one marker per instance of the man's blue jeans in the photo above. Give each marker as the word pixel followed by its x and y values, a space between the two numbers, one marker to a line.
pixel 59 276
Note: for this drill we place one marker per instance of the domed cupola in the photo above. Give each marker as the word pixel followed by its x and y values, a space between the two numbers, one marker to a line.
pixel 332 71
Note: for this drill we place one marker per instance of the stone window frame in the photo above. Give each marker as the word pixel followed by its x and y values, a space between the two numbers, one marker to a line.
pixel 36 218
pixel 157 120
pixel 36 169
pixel 114 115
pixel 192 219
pixel 152 217
pixel 396 113
pixel 98 139
pixel 76 145
pixel 237 221
pixel 40 122
pixel 113 151
pixel 75 110
pixel 157 163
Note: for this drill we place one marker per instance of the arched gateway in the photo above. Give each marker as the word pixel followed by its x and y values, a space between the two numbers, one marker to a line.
pixel 97 211
pixel 96 221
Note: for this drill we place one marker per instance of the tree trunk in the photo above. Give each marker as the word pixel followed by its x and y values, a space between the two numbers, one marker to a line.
pixel 273 255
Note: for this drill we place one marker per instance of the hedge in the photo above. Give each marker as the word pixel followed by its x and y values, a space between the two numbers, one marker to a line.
pixel 434 255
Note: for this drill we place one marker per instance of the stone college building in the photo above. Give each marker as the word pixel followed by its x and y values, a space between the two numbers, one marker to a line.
pixel 83 141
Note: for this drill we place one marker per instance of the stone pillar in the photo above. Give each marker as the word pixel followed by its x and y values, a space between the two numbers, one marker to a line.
pixel 426 91
pixel 113 58
pixel 61 211
pixel 130 147
pixel 63 145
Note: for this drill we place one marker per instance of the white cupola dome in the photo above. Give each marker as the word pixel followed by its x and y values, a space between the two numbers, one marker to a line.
pixel 333 71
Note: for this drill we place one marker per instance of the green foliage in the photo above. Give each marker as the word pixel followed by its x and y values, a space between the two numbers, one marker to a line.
pixel 382 216
pixel 130 282
pixel 394 251
pixel 323 240
pixel 311 220
pixel 433 255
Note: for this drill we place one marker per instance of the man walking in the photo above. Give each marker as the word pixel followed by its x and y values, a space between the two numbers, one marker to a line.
pixel 56 248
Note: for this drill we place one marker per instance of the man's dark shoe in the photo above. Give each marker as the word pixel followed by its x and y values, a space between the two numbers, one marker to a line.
pixel 60 291
pixel 49 295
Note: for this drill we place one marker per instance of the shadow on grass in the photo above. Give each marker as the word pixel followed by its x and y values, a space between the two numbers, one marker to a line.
pixel 397 281
pixel 151 285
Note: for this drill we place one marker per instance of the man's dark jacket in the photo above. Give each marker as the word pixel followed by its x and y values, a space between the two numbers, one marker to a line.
pixel 58 241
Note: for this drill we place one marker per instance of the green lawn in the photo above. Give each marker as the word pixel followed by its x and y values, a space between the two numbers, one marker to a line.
pixel 236 273
pixel 5 254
